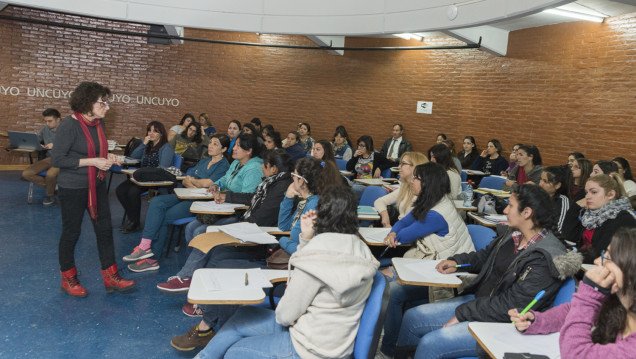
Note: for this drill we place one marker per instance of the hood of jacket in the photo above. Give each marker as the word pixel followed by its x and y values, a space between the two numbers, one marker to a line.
pixel 341 261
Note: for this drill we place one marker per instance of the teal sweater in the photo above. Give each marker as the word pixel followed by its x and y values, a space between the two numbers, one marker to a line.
pixel 244 179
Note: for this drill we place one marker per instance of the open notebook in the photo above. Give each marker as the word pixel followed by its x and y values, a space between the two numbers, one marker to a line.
pixel 248 233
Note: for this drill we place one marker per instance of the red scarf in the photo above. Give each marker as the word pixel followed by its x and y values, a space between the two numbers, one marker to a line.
pixel 92 170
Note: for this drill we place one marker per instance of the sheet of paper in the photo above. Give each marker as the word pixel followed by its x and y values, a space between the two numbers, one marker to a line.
pixel 374 235
pixel 502 338
pixel 474 172
pixel 211 206
pixel 248 233
pixel 230 279
pixel 497 217
pixel 422 271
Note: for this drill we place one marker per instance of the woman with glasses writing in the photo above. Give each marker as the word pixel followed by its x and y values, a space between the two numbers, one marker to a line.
pixel 81 154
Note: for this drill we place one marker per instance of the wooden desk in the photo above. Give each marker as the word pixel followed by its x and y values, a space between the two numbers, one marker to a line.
pixel 459 204
pixel 426 274
pixel 374 236
pixel 274 231
pixel 495 192
pixel 29 152
pixel 197 294
pixel 193 193
pixel 500 338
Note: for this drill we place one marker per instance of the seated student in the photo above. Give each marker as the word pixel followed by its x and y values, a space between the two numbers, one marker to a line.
pixel 249 129
pixel 581 170
pixel 293 147
pixel 243 175
pixel 305 140
pixel 607 210
pixel 573 156
pixel 341 148
pixel 266 130
pixel 440 153
pixel 233 131
pixel 440 138
pixel 604 167
pixel 469 153
pixel 256 122
pixel 557 181
pixel 512 269
pixel 513 160
pixel 436 231
pixel 625 170
pixel 319 314
pixel 264 206
pixel 323 151
pixel 187 119
pixel 46 136
pixel 309 181
pixel 190 138
pixel 599 321
pixel 366 163
pixel 528 170
pixel 272 140
pixel 490 162
pixel 154 151
pixel 403 198
pixel 451 146
pixel 206 125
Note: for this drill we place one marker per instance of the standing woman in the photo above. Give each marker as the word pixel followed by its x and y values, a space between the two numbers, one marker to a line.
pixel 581 170
pixel 187 119
pixel 607 210
pixel 341 148
pixel 528 169
pixel 440 154
pixel 491 162
pixel 155 151
pixel 233 131
pixel 470 152
pixel 81 154
pixel 305 137
pixel 403 198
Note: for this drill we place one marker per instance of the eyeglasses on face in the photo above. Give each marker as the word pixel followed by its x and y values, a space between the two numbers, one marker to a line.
pixel 103 103
pixel 403 163
pixel 300 177
pixel 361 145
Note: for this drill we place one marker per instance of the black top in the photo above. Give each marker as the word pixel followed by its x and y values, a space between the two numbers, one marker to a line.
pixel 503 258
pixel 468 160
pixel 603 235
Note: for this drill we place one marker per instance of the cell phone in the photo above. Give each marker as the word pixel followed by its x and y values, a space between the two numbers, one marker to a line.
pixel 524 356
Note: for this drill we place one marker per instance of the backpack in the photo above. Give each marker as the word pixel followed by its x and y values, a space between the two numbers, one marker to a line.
pixel 490 204
pixel 131 145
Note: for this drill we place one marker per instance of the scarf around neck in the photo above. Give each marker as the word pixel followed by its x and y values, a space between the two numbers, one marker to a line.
pixel 595 218
pixel 103 153
pixel 261 192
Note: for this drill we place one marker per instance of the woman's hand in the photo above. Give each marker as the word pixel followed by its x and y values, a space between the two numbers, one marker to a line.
pixel 307 220
pixel 101 163
pixel 484 153
pixel 214 189
pixel 377 173
pixel 146 140
pixel 453 321
pixel 219 198
pixel 509 183
pixel 390 240
pixel 114 159
pixel 358 153
pixel 522 322
pixel 450 266
pixel 602 277
pixel 384 218
pixel 291 191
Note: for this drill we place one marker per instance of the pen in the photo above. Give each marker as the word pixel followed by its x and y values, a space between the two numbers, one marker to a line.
pixel 457 266
pixel 534 301
pixel 246 280
pixel 386 249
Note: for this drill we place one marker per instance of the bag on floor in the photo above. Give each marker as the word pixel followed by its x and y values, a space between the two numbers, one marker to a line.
pixel 278 260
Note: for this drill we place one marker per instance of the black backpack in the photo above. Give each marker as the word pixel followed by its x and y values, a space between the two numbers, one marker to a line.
pixel 131 145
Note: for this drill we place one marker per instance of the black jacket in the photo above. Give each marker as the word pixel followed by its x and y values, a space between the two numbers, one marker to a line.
pixel 567 213
pixel 379 161
pixel 266 213
pixel 542 266
pixel 468 160
pixel 405 146
pixel 603 235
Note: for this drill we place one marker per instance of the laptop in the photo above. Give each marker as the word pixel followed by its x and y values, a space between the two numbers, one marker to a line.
pixel 24 140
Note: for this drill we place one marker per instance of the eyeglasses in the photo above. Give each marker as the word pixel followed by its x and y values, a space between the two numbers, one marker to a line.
pixel 604 258
pixel 361 145
pixel 417 178
pixel 300 177
pixel 104 103
pixel 405 164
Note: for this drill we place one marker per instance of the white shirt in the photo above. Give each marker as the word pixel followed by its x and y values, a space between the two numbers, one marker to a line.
pixel 396 148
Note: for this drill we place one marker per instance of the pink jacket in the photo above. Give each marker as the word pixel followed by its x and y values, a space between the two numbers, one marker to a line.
pixel 575 321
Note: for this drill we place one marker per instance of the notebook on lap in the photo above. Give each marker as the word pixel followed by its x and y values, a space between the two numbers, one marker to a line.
pixel 24 140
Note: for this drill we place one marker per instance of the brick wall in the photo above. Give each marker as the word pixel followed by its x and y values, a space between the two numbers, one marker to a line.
pixel 563 87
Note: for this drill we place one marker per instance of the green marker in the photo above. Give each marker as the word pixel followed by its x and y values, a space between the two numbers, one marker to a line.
pixel 534 301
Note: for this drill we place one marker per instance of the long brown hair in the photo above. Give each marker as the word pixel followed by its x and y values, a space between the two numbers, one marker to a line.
pixel 612 317
pixel 164 136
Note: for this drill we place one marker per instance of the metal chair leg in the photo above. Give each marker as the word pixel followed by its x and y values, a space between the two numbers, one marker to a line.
pixel 30 195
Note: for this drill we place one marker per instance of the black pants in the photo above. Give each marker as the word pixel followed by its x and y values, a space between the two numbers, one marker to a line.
pixel 73 205
pixel 129 194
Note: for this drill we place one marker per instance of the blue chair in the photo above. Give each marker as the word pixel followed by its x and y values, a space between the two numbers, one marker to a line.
pixel 566 292
pixel 492 182
pixel 464 176
pixel 370 194
pixel 30 194
pixel 178 223
pixel 480 235
pixel 372 319
pixel 177 161
pixel 386 173
pixel 342 164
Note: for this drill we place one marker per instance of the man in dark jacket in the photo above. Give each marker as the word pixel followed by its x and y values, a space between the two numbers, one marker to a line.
pixel 396 145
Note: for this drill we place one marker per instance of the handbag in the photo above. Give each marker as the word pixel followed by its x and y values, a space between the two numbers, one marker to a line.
pixel 278 260
pixel 207 218
pixel 153 174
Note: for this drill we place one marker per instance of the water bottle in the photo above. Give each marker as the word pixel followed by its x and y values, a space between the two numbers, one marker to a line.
pixel 468 194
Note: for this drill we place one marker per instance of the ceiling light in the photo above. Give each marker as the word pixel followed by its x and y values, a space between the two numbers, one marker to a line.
pixel 576 15
pixel 407 36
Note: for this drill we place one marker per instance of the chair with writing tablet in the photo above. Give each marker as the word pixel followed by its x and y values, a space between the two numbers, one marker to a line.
pixel 480 235
pixel 370 194
pixel 492 182
pixel 342 164
pixel 372 319
pixel 566 292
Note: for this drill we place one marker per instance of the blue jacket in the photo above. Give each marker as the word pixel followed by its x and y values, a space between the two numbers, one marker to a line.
pixel 166 154
pixel 409 229
pixel 215 171
pixel 244 179
pixel 286 216
pixel 296 152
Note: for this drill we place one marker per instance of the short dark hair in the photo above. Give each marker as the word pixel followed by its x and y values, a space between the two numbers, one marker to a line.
pixel 186 116
pixel 279 158
pixel 497 145
pixel 576 155
pixel 267 129
pixel 249 142
pixel 238 124
pixel 537 199
pixel 442 135
pixel 398 124
pixel 225 142
pixel 534 152
pixel 256 121
pixel 309 168
pixel 368 142
pixel 607 166
pixel 51 112
pixel 296 134
pixel 306 125
pixel 435 184
pixel 86 94
pixel 252 128
pixel 275 136
pixel 563 175
pixel 337 211
pixel 164 136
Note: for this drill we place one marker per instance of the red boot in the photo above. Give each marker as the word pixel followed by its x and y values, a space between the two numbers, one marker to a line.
pixel 113 281
pixel 71 285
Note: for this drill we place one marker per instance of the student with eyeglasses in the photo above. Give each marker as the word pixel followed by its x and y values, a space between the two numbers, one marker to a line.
pixel 581 170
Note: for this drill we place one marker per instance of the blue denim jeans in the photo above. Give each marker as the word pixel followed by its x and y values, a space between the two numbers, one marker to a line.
pixel 252 332
pixel 401 296
pixel 422 326
pixel 195 227
pixel 163 210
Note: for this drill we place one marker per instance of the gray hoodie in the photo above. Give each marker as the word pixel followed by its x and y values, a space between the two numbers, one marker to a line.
pixel 326 296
